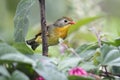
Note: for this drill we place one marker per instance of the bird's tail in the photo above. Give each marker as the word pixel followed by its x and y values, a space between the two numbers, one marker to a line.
pixel 32 43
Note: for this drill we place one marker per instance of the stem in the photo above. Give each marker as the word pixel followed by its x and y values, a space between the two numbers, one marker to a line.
pixel 97 33
pixel 43 28
pixel 105 67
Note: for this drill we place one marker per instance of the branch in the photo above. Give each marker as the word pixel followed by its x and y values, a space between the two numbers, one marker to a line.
pixel 43 28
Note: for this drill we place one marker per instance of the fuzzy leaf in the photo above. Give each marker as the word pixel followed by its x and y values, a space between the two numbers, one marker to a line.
pixel 68 63
pixel 49 71
pixel 5 49
pixel 17 75
pixel 4 72
pixel 17 57
pixel 21 21
pixel 3 78
pixel 110 56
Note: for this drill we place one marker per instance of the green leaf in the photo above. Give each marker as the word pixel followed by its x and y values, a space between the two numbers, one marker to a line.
pixel 8 53
pixel 104 51
pixel 23 48
pixel 86 64
pixel 115 69
pixel 87 51
pixel 79 78
pixel 69 63
pixel 82 22
pixel 85 47
pixel 3 78
pixel 21 21
pixel 17 75
pixel 117 42
pixel 6 49
pixel 17 57
pixel 4 72
pixel 49 71
pixel 26 69
pixel 108 42
pixel 110 56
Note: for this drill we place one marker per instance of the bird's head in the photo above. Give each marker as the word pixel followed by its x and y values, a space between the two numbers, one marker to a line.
pixel 64 21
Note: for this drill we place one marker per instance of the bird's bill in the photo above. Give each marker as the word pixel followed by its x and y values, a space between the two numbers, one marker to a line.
pixel 72 22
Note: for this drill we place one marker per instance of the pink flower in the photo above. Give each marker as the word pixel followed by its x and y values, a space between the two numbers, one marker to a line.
pixel 40 78
pixel 77 71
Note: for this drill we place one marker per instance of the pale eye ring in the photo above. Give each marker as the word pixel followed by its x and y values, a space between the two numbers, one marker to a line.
pixel 65 21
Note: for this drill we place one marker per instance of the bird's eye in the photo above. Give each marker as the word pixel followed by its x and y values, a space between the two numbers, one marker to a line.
pixel 65 21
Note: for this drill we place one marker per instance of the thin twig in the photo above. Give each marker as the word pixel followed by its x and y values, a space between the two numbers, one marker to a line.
pixel 105 67
pixel 43 28
pixel 98 35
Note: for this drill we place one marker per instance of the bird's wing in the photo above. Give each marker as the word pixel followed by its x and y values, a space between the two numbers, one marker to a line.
pixel 40 32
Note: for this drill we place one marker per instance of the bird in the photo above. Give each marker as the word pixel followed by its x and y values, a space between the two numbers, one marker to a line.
pixel 55 31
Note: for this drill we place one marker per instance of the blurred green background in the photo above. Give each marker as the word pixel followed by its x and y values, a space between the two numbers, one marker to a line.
pixel 7 12
pixel 76 9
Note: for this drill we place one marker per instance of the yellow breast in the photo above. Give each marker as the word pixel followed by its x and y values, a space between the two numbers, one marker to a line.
pixel 61 32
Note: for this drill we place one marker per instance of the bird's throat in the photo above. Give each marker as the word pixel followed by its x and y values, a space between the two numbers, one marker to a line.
pixel 61 32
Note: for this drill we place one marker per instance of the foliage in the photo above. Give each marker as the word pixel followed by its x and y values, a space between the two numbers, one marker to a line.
pixel 21 19
pixel 78 78
pixel 19 62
